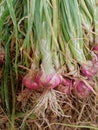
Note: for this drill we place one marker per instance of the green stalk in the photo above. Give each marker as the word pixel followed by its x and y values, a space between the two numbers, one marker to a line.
pixel 47 66
pixel 72 30
pixel 45 45
pixel 25 13
pixel 87 22
pixel 12 14
pixel 48 18
pixel 13 99
pixel 76 126
pixel 55 47
pixel 26 43
pixel 89 4
pixel 6 72
pixel 3 14
pixel 95 9
pixel 85 15
pixel 62 49
pixel 43 33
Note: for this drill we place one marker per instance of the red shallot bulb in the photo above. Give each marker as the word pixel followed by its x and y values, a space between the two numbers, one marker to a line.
pixel 65 86
pixel 88 69
pixel 52 80
pixel 81 89
pixel 29 82
pixel 95 49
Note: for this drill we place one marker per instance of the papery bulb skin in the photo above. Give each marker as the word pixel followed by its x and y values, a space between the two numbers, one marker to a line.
pixel 29 82
pixel 96 65
pixel 56 80
pixel 42 79
pixel 88 70
pixel 67 82
pixel 81 89
pixel 65 86
pixel 95 49
pixel 52 80
pixel 63 89
pixel 38 78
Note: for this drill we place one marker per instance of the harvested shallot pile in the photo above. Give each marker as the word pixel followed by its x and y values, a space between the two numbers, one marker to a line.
pixel 49 64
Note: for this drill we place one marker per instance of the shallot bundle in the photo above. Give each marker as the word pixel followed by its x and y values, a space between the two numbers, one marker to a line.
pixel 69 41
